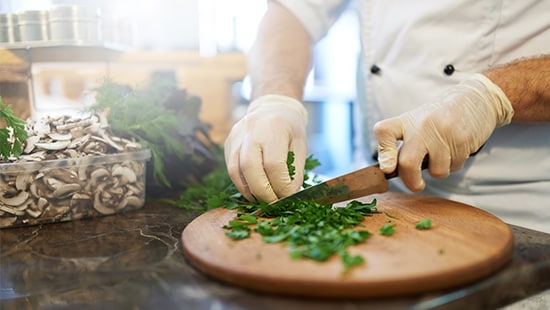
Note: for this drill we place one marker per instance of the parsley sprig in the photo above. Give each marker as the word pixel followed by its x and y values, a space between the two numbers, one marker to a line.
pixel 424 224
pixel 387 229
pixel 290 165
pixel 13 136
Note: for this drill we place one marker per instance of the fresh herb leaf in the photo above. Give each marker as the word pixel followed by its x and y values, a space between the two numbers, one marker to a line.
pixel 13 136
pixel 236 225
pixel 251 219
pixel 238 234
pixel 311 163
pixel 424 224
pixel 387 230
pixel 363 207
pixel 237 229
pixel 391 216
pixel 310 178
pixel 350 261
pixel 290 165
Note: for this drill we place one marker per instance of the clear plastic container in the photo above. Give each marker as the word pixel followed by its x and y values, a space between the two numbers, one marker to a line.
pixel 69 189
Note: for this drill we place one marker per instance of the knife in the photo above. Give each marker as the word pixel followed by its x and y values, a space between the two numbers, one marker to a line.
pixel 359 183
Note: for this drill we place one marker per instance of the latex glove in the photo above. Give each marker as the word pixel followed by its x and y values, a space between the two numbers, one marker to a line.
pixel 257 147
pixel 448 130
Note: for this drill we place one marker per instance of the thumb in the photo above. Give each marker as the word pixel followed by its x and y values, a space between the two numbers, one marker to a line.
pixel 388 132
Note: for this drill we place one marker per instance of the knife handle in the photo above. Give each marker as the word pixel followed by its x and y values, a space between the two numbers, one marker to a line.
pixel 424 165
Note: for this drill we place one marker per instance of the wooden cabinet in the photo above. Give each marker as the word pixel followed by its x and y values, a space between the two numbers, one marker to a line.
pixel 76 69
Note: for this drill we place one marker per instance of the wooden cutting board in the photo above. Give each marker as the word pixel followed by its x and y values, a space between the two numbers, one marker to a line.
pixel 465 244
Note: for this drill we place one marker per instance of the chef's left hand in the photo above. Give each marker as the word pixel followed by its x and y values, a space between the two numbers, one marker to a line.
pixel 448 130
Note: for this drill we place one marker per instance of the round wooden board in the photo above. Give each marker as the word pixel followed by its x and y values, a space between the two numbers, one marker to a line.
pixel 464 244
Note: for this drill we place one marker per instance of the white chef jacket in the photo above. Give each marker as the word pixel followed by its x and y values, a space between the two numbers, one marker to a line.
pixel 413 50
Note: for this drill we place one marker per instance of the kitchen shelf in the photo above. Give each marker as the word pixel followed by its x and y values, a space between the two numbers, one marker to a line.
pixel 65 51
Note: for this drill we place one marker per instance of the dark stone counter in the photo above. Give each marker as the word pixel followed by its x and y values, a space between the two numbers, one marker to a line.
pixel 134 261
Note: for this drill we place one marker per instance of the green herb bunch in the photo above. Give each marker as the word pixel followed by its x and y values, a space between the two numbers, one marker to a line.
pixel 165 120
pixel 13 135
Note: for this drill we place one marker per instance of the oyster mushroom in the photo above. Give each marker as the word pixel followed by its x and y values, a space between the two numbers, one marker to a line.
pixel 41 204
pixel 36 156
pixel 77 124
pixel 11 210
pixel 100 206
pixel 7 221
pixel 23 181
pixel 103 138
pixel 30 143
pixel 66 190
pixel 60 137
pixel 125 175
pixel 135 202
pixel 35 209
pixel 63 175
pixel 34 213
pixel 52 146
pixel 53 212
pixel 15 200
pixel 98 176
pixel 79 142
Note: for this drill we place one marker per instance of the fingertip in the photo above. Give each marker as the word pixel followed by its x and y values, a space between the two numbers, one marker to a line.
pixel 410 172
pixel 388 130
pixel 248 196
pixel 267 195
pixel 440 174
pixel 387 162
pixel 419 186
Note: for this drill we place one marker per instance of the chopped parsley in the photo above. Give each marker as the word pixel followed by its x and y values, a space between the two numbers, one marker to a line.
pixel 424 224
pixel 388 229
pixel 311 230
pixel 290 165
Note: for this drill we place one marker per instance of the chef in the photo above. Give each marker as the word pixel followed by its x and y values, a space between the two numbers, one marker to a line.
pixel 443 79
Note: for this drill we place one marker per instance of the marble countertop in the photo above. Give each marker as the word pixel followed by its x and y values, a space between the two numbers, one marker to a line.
pixel 134 261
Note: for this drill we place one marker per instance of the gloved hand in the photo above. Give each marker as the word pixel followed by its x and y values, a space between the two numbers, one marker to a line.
pixel 257 147
pixel 448 130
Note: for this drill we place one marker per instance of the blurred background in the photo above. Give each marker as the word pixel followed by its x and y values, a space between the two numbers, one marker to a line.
pixel 54 52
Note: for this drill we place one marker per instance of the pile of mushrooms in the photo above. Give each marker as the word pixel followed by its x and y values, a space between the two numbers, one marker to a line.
pixel 67 172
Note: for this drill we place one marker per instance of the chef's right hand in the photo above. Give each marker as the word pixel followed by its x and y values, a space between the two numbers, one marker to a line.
pixel 257 147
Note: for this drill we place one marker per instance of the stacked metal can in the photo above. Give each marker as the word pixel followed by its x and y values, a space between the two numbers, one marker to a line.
pixel 8 28
pixel 60 24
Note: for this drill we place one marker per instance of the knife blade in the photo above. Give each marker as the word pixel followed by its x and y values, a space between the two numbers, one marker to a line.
pixel 359 183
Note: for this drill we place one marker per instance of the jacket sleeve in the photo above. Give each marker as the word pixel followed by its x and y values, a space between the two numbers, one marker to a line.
pixel 317 16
